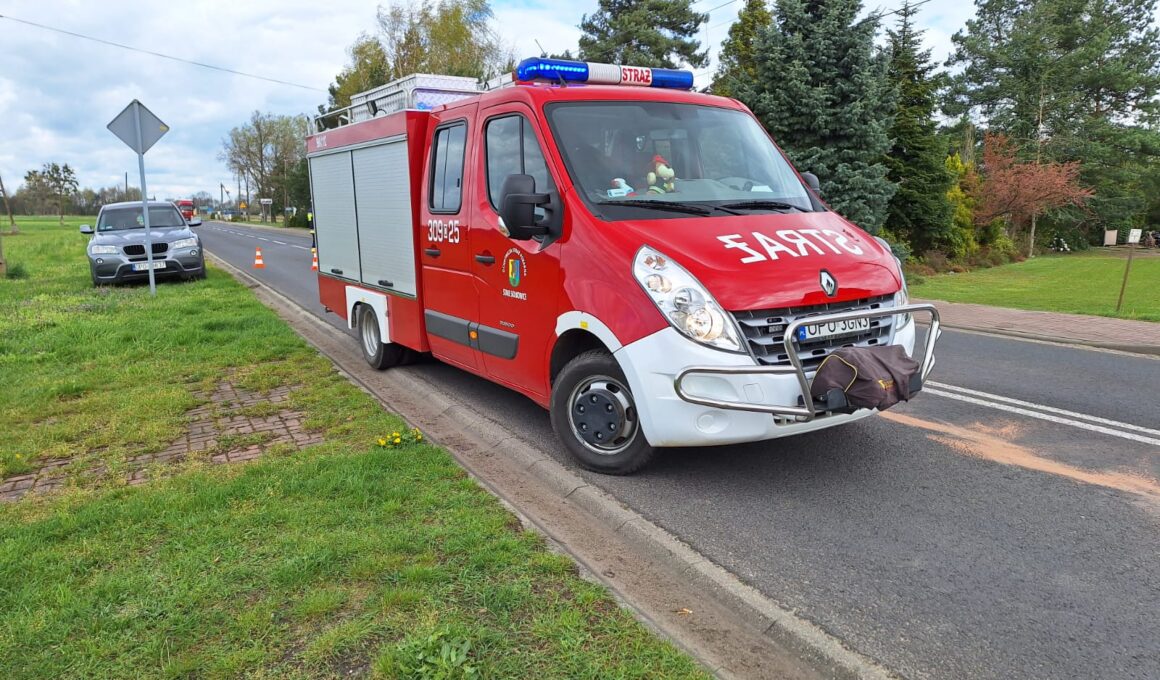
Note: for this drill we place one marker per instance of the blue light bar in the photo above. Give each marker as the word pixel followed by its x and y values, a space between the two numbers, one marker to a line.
pixel 539 68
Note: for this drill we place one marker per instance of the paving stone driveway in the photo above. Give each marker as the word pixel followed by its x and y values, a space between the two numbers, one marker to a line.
pixel 217 431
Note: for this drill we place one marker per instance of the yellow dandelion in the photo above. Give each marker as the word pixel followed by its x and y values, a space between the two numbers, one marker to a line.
pixel 382 442
pixel 394 434
pixel 419 437
pixel 398 441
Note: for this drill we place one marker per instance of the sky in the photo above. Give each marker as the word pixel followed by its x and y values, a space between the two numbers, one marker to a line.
pixel 58 92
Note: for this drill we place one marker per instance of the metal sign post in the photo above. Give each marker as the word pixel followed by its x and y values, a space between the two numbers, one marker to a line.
pixel 139 129
pixel 1133 239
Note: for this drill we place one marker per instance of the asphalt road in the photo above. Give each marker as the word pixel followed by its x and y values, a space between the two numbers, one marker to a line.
pixel 1001 525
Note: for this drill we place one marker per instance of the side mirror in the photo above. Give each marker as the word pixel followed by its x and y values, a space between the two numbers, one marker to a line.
pixel 517 207
pixel 812 182
pixel 86 229
pixel 195 222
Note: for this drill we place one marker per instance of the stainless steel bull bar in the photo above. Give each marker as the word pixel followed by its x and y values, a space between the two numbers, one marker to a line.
pixel 808 411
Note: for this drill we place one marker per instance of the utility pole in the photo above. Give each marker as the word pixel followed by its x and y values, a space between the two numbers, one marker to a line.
pixel 126 185
pixel 3 264
pixel 12 224
pixel 7 207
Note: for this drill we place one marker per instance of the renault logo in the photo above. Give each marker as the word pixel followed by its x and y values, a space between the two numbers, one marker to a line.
pixel 829 283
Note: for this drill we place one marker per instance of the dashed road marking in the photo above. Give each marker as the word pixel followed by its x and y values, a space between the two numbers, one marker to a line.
pixel 1051 414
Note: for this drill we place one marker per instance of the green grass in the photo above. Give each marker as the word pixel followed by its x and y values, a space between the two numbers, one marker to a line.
pixel 345 558
pixel 1078 283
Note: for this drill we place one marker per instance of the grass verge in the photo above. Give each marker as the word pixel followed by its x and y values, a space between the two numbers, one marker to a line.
pixel 1077 283
pixel 348 557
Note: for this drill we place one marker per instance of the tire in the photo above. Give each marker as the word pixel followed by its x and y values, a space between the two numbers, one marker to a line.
pixel 595 416
pixel 377 353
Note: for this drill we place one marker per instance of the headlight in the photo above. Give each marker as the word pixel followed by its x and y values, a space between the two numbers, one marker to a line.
pixel 103 250
pixel 902 297
pixel 184 243
pixel 684 301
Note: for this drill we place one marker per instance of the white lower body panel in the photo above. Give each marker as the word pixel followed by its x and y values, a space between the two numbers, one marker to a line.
pixel 653 363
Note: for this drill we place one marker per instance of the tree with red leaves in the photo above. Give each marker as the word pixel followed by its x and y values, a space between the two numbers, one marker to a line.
pixel 1019 192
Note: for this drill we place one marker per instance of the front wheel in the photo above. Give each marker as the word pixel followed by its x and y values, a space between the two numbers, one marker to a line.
pixel 594 414
pixel 377 353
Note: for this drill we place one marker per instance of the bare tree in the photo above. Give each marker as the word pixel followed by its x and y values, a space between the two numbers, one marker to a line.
pixel 262 149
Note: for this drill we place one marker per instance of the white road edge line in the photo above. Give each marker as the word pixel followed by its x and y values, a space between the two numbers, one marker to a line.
pixel 1008 408
pixel 1048 409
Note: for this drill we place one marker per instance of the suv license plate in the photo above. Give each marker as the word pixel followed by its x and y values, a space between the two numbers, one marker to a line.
pixel 833 329
pixel 144 266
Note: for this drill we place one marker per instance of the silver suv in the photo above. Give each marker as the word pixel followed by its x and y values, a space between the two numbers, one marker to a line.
pixel 117 249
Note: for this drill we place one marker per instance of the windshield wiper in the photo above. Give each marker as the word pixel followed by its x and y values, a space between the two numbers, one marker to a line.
pixel 762 205
pixel 671 206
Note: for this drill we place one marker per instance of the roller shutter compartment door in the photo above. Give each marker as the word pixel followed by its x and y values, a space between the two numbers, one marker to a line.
pixel 335 220
pixel 385 223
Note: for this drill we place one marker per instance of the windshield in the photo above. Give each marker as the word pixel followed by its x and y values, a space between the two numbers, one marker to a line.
pixel 620 153
pixel 132 218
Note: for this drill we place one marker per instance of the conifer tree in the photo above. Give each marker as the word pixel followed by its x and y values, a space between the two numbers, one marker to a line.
pixel 1070 80
pixel 657 33
pixel 738 56
pixel 823 92
pixel 919 211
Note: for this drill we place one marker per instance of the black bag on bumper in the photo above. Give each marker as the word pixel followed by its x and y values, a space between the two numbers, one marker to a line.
pixel 868 377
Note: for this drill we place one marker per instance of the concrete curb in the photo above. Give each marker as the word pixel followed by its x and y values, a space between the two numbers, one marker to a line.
pixel 1151 350
pixel 810 642
pixel 1129 347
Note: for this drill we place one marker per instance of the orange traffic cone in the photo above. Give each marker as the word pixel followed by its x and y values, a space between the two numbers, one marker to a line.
pixel 258 264
pixel 314 263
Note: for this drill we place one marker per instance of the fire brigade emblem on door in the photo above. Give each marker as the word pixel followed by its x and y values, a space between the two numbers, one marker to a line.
pixel 516 270
pixel 514 273
pixel 829 283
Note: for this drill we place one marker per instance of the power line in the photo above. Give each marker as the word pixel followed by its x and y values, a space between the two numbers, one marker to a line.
pixel 158 54
pixel 724 4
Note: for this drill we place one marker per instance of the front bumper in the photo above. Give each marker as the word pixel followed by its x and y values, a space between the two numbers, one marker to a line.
pixel 112 268
pixel 692 395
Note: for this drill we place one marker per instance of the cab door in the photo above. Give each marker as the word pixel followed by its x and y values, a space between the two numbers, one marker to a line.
pixel 518 282
pixel 449 300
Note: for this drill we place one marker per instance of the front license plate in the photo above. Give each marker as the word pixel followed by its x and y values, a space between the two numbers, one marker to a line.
pixel 144 266
pixel 833 329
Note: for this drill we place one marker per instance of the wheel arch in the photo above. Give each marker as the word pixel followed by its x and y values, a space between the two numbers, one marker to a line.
pixel 356 296
pixel 570 345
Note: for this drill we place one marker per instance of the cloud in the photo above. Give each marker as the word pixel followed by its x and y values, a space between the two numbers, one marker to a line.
pixel 58 92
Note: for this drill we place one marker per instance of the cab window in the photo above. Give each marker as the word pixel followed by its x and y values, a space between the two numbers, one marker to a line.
pixel 446 191
pixel 512 149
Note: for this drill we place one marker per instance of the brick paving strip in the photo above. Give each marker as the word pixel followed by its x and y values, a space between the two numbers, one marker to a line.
pixel 210 425
pixel 1096 331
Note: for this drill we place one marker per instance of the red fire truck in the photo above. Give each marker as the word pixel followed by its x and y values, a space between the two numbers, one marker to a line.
pixel 187 208
pixel 637 258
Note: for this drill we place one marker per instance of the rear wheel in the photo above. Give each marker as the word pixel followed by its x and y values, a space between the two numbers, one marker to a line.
pixel 377 353
pixel 594 414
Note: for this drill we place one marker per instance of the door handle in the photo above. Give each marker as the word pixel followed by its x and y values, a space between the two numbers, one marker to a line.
pixel 432 252
pixel 484 258
pixel 334 270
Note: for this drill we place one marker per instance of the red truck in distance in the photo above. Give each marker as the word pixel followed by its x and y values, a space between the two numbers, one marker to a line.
pixel 187 208
pixel 637 258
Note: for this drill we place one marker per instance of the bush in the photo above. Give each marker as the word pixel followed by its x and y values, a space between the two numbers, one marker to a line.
pixel 298 220
pixel 916 269
pixel 936 260
pixel 898 245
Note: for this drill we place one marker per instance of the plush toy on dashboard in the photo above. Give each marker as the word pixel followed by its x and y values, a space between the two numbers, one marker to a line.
pixel 661 177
